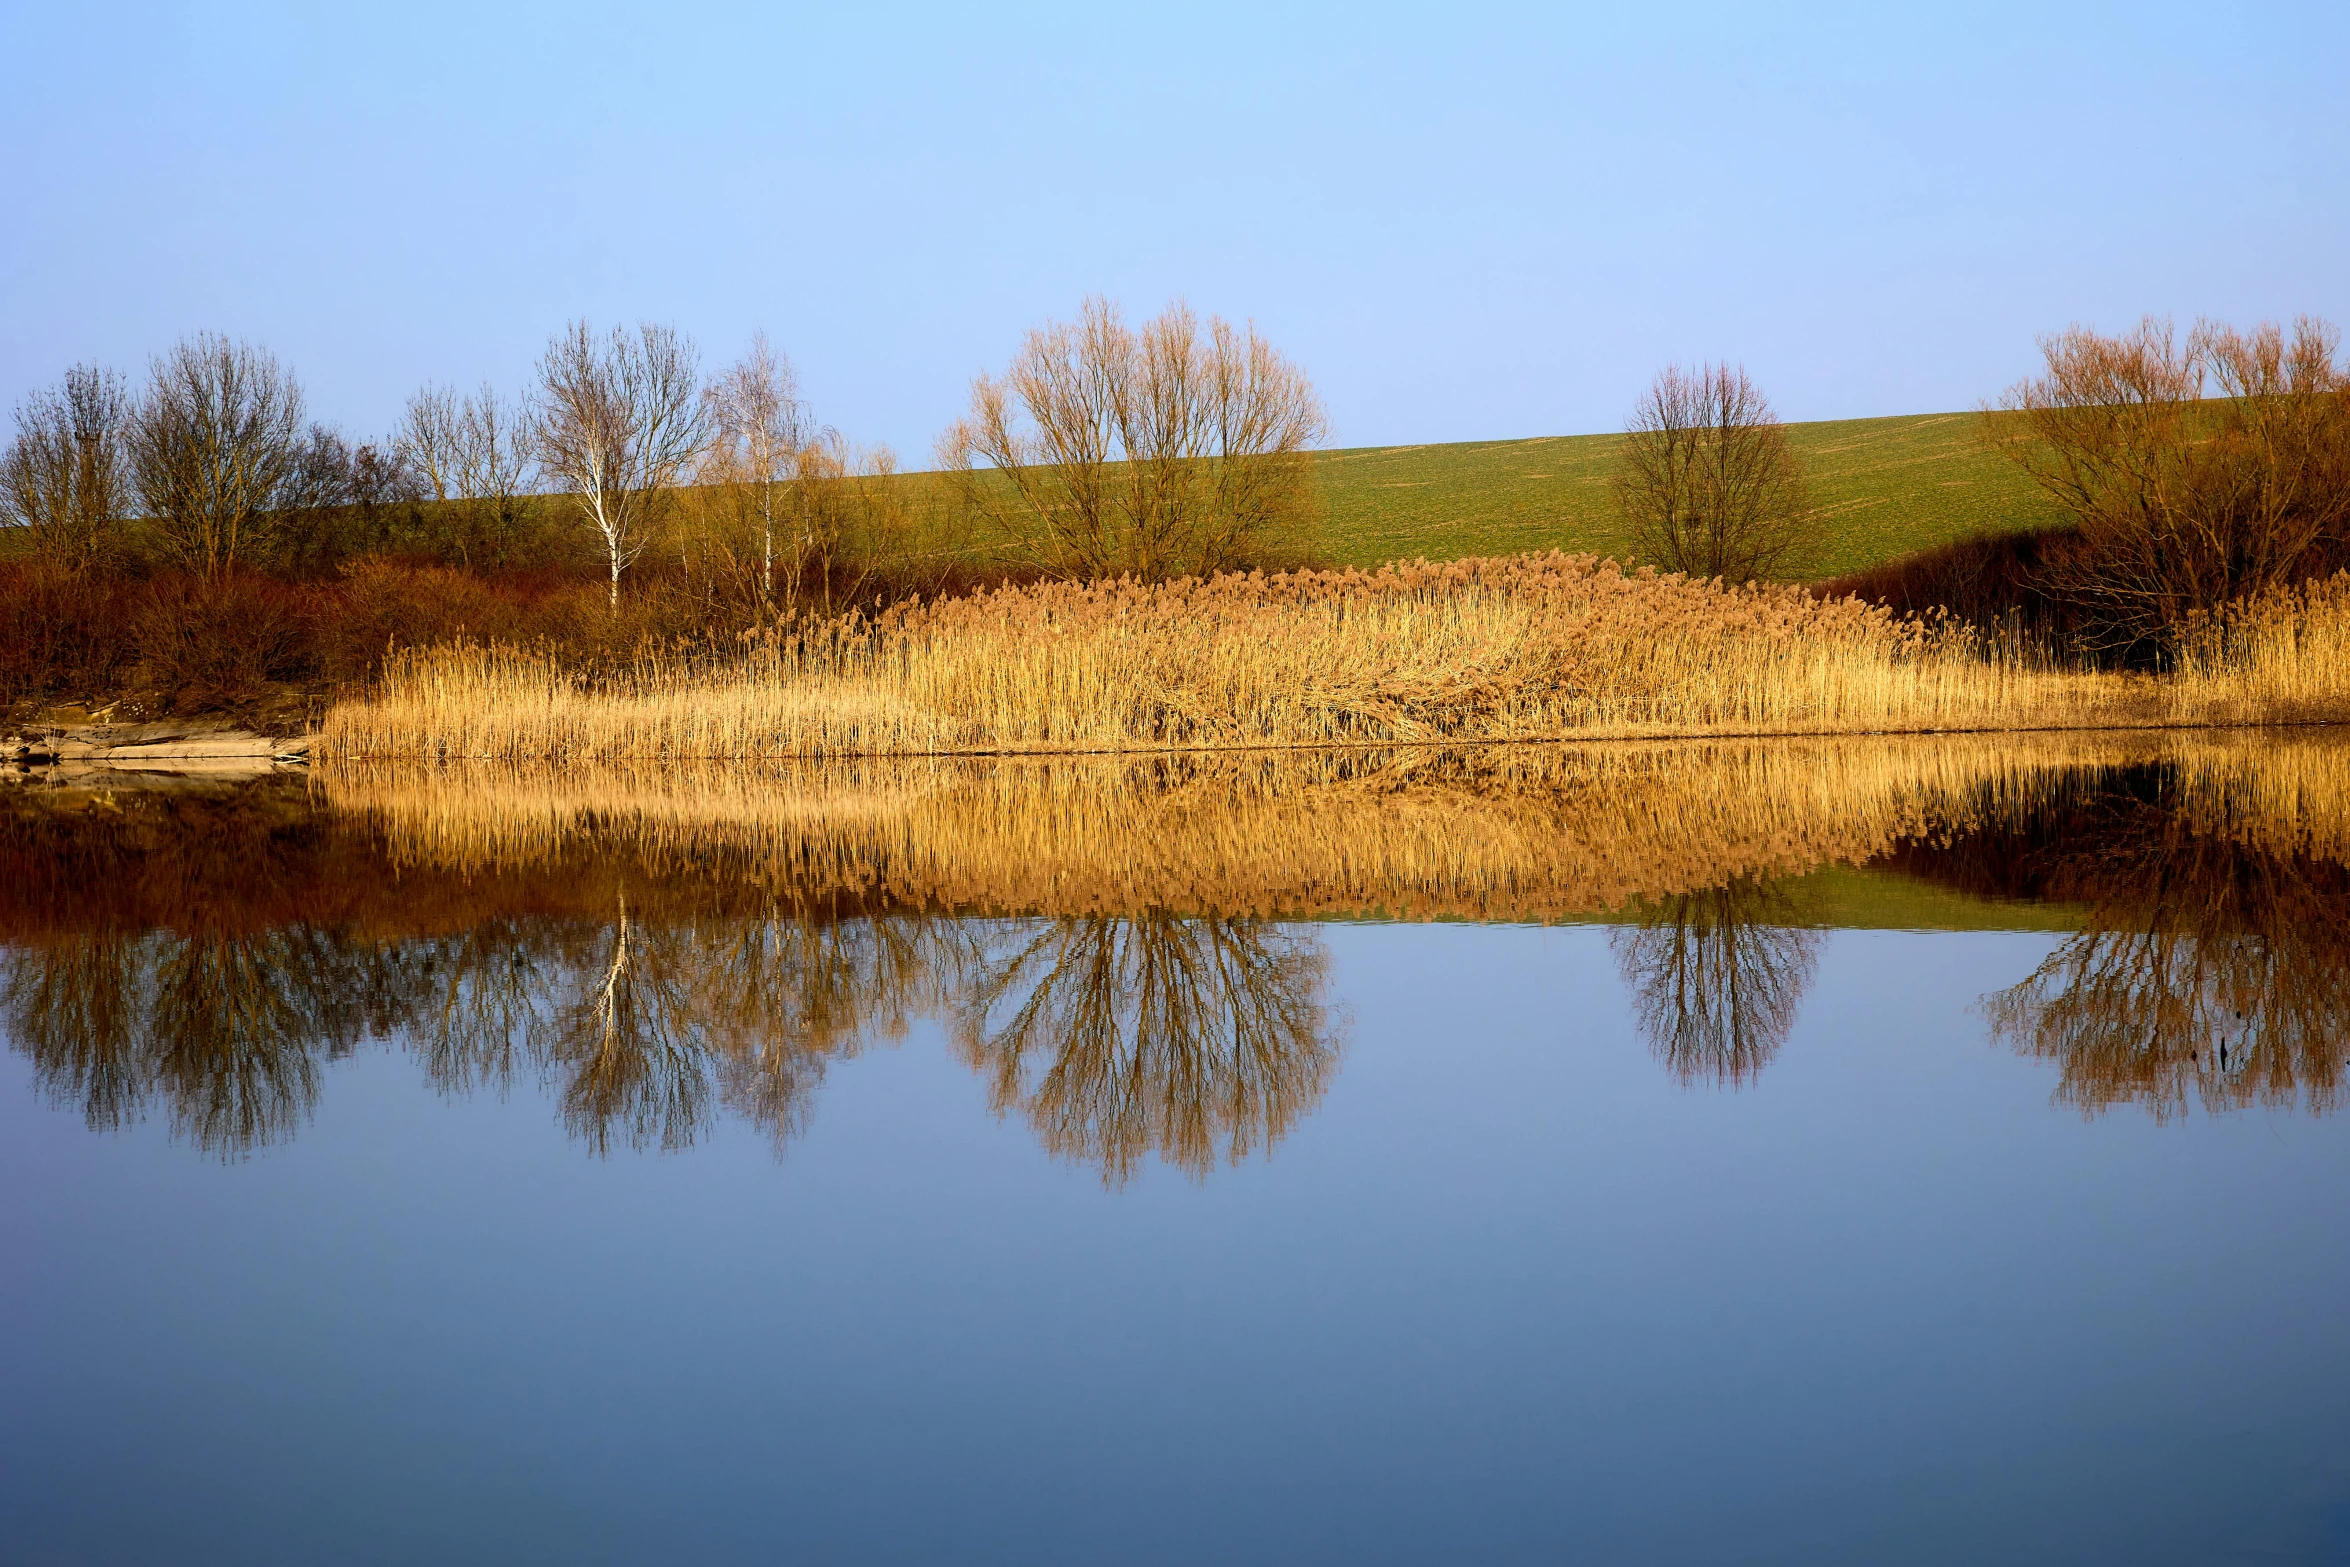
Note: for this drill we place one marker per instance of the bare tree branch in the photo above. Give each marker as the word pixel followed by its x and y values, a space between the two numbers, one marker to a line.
pixel 1155 453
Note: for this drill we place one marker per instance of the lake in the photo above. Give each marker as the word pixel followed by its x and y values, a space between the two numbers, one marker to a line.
pixel 1917 1150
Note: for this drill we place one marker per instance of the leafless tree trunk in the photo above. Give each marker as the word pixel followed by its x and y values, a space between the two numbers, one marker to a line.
pixel 1156 453
pixel 218 452
pixel 471 455
pixel 66 476
pixel 759 428
pixel 619 422
pixel 1706 481
pixel 2184 501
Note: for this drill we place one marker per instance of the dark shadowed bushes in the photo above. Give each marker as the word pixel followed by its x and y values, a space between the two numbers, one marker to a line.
pixel 385 603
pixel 61 633
pixel 1995 581
pixel 223 643
pixel 2020 583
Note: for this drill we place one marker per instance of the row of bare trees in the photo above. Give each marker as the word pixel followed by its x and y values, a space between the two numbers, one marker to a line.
pixel 216 464
pixel 2195 471
pixel 215 453
pixel 1179 448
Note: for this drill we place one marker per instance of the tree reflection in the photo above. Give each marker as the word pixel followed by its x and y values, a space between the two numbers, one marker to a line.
pixel 77 1006
pixel 236 1025
pixel 623 1046
pixel 1195 1039
pixel 643 1029
pixel 2208 969
pixel 1717 978
pixel 473 1010
pixel 785 995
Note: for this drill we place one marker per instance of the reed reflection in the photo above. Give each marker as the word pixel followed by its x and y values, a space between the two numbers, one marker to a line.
pixel 1717 978
pixel 1199 1040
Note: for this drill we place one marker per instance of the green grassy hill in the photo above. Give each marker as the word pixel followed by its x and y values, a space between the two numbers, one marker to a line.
pixel 1885 486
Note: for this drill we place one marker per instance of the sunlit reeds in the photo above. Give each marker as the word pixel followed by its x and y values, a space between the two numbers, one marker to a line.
pixel 2280 655
pixel 1536 647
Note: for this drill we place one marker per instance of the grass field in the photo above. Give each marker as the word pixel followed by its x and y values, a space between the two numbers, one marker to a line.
pixel 1886 487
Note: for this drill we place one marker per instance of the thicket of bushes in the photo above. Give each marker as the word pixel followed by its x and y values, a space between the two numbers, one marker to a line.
pixel 177 643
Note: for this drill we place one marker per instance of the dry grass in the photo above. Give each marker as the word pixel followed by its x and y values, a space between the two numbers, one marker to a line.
pixel 2284 654
pixel 1476 651
pixel 1539 647
pixel 1514 833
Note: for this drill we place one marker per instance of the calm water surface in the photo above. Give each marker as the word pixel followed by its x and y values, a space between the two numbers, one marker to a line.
pixel 1908 1153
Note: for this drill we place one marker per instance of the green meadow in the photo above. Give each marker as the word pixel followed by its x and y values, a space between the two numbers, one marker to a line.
pixel 1885 487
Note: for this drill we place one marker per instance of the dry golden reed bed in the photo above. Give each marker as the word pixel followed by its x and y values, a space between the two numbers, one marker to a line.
pixel 1534 647
pixel 1524 833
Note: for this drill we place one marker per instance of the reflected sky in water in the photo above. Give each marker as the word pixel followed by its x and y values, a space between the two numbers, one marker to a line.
pixel 432 1210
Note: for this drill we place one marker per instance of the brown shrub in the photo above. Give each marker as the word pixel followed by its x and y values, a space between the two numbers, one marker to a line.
pixel 61 633
pixel 383 603
pixel 221 644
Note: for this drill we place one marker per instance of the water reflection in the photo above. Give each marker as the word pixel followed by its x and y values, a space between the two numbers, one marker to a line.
pixel 2213 969
pixel 1717 977
pixel 1118 949
pixel 1193 1039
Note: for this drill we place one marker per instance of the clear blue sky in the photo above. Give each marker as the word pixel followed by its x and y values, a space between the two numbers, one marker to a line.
pixel 1465 222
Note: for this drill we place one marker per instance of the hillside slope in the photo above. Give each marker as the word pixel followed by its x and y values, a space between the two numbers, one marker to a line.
pixel 1885 486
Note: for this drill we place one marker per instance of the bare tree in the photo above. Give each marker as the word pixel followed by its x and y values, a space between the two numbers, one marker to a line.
pixel 1157 453
pixel 1706 481
pixel 382 486
pixel 848 503
pixel 429 437
pixel 218 451
pixel 759 429
pixel 66 477
pixel 471 456
pixel 619 422
pixel 844 512
pixel 2185 501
